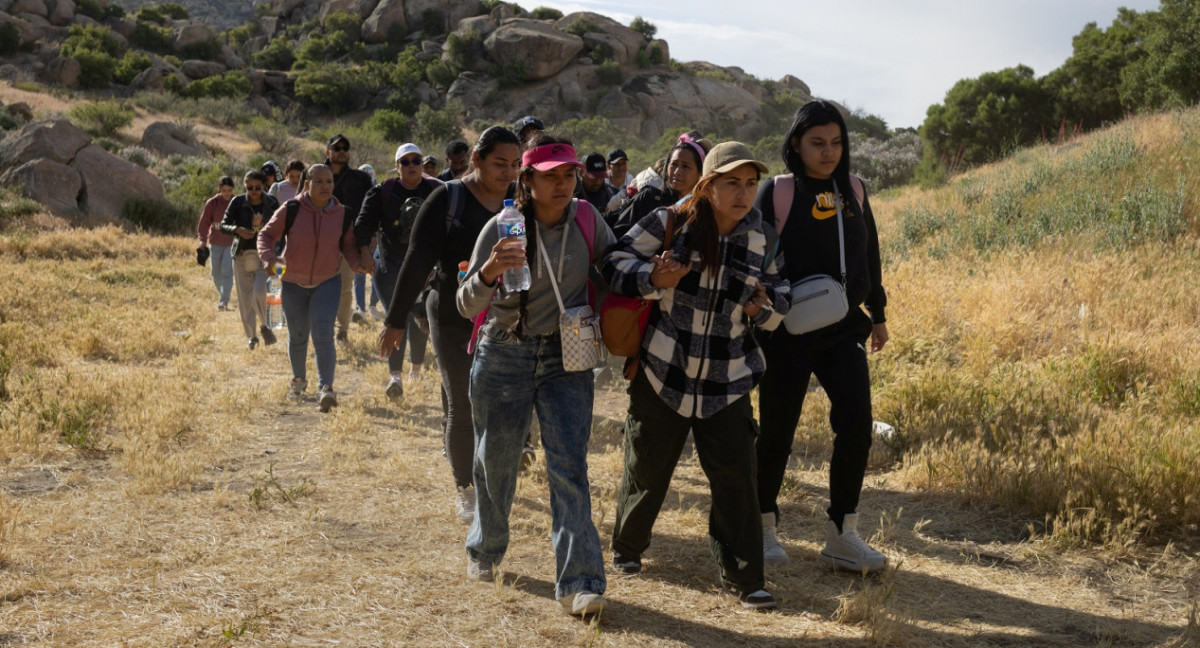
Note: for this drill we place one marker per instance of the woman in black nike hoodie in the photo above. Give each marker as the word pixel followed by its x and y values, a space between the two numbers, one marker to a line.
pixel 817 153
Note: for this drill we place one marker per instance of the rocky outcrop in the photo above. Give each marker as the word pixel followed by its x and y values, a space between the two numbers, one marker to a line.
pixel 65 71
pixel 387 16
pixel 62 14
pixel 57 164
pixel 622 43
pixel 167 138
pixel 193 34
pixel 196 69
pixel 31 7
pixel 539 48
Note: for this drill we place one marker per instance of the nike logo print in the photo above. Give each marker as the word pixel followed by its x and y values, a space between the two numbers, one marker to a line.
pixel 822 214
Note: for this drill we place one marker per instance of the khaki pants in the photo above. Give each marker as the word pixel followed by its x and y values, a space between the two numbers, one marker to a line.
pixel 251 292
pixel 346 303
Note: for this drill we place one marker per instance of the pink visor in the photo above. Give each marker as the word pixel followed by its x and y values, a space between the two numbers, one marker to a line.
pixel 548 156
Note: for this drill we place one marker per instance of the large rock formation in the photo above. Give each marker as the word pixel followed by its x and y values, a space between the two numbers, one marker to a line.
pixel 57 164
pixel 540 49
pixel 167 138
pixel 622 43
pixel 387 16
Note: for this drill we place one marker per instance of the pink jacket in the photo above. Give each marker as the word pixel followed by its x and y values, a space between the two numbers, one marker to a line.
pixel 315 244
pixel 209 229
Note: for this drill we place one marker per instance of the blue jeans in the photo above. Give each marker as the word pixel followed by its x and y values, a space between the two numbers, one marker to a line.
pixel 509 381
pixel 221 258
pixel 315 310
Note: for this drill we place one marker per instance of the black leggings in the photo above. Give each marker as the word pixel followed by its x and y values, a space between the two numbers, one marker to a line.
pixel 449 334
pixel 841 366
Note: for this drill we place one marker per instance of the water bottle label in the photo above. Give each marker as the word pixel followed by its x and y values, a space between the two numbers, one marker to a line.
pixel 513 229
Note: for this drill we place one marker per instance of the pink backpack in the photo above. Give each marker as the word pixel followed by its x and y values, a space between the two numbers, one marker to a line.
pixel 785 190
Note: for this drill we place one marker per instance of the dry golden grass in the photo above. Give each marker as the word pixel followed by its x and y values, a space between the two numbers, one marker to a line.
pixel 157 488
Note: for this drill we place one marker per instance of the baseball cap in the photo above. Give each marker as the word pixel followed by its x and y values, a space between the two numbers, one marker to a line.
pixel 428 159
pixel 594 165
pixel 407 149
pixel 528 120
pixel 338 138
pixel 727 156
pixel 549 156
pixel 616 155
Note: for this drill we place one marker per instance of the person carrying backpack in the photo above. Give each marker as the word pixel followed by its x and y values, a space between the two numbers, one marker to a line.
pixel 244 218
pixel 825 227
pixel 443 236
pixel 390 209
pixel 313 227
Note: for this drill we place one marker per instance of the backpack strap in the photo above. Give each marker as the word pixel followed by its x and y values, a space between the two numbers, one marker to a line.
pixel 586 219
pixel 454 213
pixel 781 198
pixel 289 217
pixel 860 192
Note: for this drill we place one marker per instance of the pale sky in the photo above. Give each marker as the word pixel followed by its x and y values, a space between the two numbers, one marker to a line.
pixel 893 59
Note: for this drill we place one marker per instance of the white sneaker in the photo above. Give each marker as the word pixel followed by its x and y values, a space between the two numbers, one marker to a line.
pixel 464 504
pixel 847 550
pixel 478 571
pixel 376 314
pixel 395 388
pixel 773 553
pixel 583 603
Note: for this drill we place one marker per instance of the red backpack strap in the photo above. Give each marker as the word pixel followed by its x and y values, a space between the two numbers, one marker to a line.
pixel 785 191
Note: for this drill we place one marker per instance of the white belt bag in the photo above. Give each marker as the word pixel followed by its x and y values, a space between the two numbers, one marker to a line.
pixel 820 300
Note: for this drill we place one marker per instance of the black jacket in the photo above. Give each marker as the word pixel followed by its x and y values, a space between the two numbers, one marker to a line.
pixel 383 211
pixel 350 187
pixel 636 208
pixel 240 213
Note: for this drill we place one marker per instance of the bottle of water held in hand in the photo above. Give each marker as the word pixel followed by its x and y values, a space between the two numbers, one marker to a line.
pixel 275 299
pixel 512 224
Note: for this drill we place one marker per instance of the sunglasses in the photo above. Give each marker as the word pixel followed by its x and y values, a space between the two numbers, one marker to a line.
pixel 254 188
pixel 410 162
pixel 340 148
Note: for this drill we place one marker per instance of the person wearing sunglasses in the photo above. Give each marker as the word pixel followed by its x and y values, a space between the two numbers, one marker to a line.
pixel 389 210
pixel 244 218
pixel 350 187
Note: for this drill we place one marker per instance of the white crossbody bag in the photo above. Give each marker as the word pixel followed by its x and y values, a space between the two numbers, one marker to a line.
pixel 582 346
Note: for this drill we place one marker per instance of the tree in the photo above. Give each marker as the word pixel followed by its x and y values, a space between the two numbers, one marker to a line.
pixel 1168 75
pixel 986 117
pixel 644 27
pixel 1086 89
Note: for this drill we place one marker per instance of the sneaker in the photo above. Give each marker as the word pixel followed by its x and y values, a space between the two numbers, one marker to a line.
pixel 395 388
pixel 757 600
pixel 268 335
pixel 376 314
pixel 464 503
pixel 297 387
pixel 326 399
pixel 478 571
pixel 627 565
pixel 358 317
pixel 847 550
pixel 252 343
pixel 414 373
pixel 583 603
pixel 222 307
pixel 773 553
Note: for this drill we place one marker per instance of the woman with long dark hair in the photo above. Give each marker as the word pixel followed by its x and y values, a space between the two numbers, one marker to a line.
pixel 821 193
pixel 682 171
pixel 699 361
pixel 519 370
pixel 444 234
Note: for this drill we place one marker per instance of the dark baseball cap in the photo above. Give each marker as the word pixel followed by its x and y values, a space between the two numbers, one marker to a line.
pixel 594 165
pixel 338 138
pixel 527 121
pixel 616 155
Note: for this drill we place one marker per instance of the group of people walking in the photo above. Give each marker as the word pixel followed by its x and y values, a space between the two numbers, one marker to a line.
pixel 703 245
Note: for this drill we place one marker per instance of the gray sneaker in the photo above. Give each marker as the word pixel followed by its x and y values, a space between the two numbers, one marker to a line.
pixel 479 571
pixel 326 399
pixel 297 386
pixel 773 553
pixel 583 603
pixel 847 550
pixel 395 388
pixel 464 504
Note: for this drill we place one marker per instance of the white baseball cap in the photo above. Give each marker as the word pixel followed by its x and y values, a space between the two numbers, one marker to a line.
pixel 407 149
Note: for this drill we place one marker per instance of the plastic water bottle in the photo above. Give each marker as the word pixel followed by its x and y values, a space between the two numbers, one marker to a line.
pixel 462 270
pixel 275 299
pixel 512 224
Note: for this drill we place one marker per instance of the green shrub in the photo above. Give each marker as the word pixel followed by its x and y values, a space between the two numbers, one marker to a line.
pixel 95 38
pixel 133 64
pixel 189 181
pixel 114 10
pixel 392 124
pixel 270 135
pixel 433 22
pixel 329 86
pixel 10 38
pixel 277 55
pixel 209 50
pixel 91 9
pixel 581 26
pixel 150 14
pixel 546 13
pixel 151 37
pixel 610 73
pixel 461 49
pixel 173 10
pixel 644 27
pixel 96 68
pixel 102 118
pixel 158 216
pixel 233 84
pixel 239 36
pixel 138 155
pixel 433 127
pixel 439 74
pixel 508 74
pixel 345 23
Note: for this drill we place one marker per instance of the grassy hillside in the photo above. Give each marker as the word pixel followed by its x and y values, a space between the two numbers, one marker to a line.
pixel 1043 375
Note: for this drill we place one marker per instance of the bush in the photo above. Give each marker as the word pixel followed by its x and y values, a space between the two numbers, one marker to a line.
pixel 150 14
pixel 209 50
pixel 173 10
pixel 439 74
pixel 392 124
pixel 10 38
pixel 277 55
pixel 546 13
pixel 887 163
pixel 234 84
pixel 461 49
pixel 151 37
pixel 91 9
pixel 96 68
pixel 189 181
pixel 434 127
pixel 133 64
pixel 137 155
pixel 610 73
pixel 644 27
pixel 581 26
pixel 239 36
pixel 329 86
pixel 94 38
pixel 270 135
pixel 158 216
pixel 102 118
pixel 508 74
